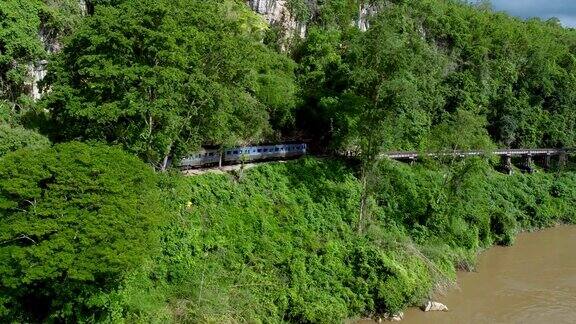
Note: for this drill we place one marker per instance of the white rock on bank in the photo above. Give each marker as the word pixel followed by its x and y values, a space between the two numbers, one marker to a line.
pixel 431 306
pixel 392 318
pixel 397 317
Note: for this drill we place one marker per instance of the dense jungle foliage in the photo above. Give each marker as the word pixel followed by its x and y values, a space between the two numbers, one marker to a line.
pixel 90 232
pixel 281 244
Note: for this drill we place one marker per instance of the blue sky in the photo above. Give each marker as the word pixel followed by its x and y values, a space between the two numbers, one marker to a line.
pixel 565 10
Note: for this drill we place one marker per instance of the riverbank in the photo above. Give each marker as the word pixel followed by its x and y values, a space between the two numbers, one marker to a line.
pixel 533 281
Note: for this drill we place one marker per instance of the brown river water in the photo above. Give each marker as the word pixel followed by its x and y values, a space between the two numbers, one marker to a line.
pixel 533 281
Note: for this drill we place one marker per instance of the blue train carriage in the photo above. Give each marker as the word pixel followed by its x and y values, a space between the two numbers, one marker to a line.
pixel 208 157
pixel 201 158
pixel 264 152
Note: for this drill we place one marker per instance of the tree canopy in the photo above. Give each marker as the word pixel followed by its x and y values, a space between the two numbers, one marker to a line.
pixel 19 45
pixel 15 138
pixel 29 32
pixel 422 65
pixel 164 77
pixel 74 220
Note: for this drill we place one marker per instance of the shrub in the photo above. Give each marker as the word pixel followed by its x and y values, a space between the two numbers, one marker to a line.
pixel 12 139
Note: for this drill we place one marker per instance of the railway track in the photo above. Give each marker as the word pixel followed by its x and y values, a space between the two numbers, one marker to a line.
pixel 463 153
pixel 504 153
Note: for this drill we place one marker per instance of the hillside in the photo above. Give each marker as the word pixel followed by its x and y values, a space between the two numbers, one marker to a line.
pixel 97 96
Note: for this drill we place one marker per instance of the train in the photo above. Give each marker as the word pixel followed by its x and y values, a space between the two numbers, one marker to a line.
pixel 211 157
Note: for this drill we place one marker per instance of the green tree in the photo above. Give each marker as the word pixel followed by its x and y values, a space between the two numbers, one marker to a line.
pixel 438 61
pixel 74 220
pixel 15 138
pixel 163 77
pixel 29 31
pixel 393 90
pixel 19 46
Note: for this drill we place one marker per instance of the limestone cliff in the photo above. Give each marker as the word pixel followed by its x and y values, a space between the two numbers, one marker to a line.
pixel 50 40
pixel 277 13
pixel 365 12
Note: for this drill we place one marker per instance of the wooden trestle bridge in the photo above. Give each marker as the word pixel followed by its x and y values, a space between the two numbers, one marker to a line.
pixel 506 156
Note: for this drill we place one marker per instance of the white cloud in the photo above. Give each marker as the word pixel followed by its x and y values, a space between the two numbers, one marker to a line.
pixel 565 10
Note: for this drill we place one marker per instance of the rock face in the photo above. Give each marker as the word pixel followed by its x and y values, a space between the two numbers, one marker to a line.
pixel 390 318
pixel 37 70
pixel 277 13
pixel 83 6
pixel 365 12
pixel 431 306
pixel 396 317
pixel 272 10
pixel 36 73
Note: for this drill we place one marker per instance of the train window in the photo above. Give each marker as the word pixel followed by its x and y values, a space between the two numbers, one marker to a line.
pixel 228 152
pixel 276 149
pixel 265 150
pixel 211 154
pixel 259 150
pixel 235 152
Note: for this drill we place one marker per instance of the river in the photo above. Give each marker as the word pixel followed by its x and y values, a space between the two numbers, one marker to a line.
pixel 533 281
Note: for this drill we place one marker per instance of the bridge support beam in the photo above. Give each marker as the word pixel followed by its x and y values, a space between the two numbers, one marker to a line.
pixel 562 160
pixel 547 161
pixel 507 164
pixel 528 163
